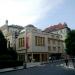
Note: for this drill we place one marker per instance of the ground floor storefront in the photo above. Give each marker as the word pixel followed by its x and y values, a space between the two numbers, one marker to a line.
pixel 55 56
pixel 38 56
pixel 33 57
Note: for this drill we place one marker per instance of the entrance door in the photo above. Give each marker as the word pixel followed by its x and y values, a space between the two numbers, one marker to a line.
pixel 36 57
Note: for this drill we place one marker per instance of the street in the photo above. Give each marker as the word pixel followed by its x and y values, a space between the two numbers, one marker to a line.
pixel 48 69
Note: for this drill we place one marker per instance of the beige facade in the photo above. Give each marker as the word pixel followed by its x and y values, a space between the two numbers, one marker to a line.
pixel 63 32
pixel 11 32
pixel 35 43
pixel 60 29
pixel 39 46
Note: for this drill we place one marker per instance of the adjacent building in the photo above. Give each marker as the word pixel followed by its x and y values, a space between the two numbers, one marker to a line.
pixel 11 32
pixel 61 29
pixel 38 45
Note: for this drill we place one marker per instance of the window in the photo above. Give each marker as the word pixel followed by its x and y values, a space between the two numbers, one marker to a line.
pixel 39 41
pixel 21 57
pixel 57 36
pixel 49 40
pixel 59 49
pixel 58 42
pixel 54 41
pixel 21 42
pixel 52 36
pixel 54 48
pixel 49 48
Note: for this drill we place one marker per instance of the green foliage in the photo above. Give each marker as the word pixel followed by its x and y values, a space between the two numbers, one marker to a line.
pixel 10 63
pixel 5 57
pixel 6 53
pixel 3 44
pixel 12 53
pixel 8 56
pixel 70 43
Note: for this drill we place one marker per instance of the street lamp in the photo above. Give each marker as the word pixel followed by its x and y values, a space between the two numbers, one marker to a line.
pixel 16 35
pixel 25 63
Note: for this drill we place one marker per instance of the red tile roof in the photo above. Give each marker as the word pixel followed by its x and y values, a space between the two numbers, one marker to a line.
pixel 55 27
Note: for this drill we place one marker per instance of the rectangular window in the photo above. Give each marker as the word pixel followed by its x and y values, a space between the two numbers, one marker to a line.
pixel 52 36
pixel 54 48
pixel 39 41
pixel 43 42
pixel 36 40
pixel 54 42
pixel 21 42
pixel 60 43
pixel 21 57
pixel 59 49
pixel 57 37
pixel 49 48
pixel 49 40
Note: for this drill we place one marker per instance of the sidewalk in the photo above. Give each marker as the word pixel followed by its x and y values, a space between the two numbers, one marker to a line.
pixel 70 65
pixel 21 67
pixel 33 64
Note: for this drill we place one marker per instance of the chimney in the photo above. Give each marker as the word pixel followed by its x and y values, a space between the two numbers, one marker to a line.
pixel 6 22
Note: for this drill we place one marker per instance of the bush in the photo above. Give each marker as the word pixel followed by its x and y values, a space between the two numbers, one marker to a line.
pixel 10 63
pixel 12 53
pixel 5 57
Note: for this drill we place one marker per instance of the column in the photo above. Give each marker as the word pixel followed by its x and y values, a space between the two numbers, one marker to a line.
pixel 32 57
pixel 47 57
pixel 40 57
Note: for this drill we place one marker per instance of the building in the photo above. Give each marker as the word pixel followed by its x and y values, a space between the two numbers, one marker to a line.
pixel 61 29
pixel 11 32
pixel 38 45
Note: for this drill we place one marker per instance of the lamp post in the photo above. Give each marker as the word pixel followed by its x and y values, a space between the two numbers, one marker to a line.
pixel 25 63
pixel 16 35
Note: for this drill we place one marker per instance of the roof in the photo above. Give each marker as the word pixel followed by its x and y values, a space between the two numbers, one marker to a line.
pixel 30 25
pixel 16 26
pixel 56 27
pixel 3 27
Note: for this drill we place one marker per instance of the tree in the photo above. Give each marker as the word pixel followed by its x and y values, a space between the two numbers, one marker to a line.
pixel 70 43
pixel 6 53
pixel 3 44
pixel 8 56
pixel 12 53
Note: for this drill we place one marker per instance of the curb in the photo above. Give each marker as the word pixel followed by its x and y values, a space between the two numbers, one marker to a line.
pixel 11 69
pixel 16 68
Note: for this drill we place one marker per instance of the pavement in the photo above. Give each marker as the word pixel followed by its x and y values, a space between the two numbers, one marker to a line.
pixel 33 64
pixel 48 69
pixel 69 66
pixel 21 67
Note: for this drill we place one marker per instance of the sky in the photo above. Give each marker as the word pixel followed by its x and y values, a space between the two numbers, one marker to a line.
pixel 40 13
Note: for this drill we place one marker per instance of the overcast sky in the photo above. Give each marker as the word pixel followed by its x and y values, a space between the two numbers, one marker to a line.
pixel 40 13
